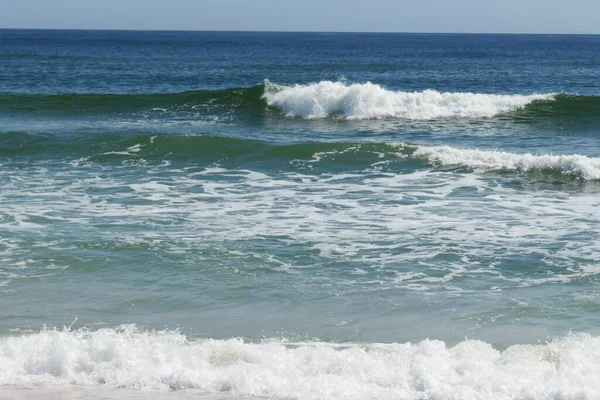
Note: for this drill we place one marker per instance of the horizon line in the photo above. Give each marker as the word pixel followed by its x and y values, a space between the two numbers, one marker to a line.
pixel 300 31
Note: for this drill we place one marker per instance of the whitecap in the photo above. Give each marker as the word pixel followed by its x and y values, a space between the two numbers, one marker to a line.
pixel 580 166
pixel 371 101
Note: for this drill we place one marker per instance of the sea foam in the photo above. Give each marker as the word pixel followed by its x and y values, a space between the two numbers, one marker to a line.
pixel 580 166
pixel 370 101
pixel 127 357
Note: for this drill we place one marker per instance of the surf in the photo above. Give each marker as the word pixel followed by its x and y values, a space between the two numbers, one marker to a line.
pixel 128 357
pixel 108 148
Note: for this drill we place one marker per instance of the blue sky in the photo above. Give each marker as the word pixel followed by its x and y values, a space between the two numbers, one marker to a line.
pixel 501 16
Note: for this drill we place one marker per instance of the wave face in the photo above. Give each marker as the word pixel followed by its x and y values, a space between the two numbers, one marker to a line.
pixel 131 358
pixel 575 165
pixel 214 148
pixel 107 103
pixel 371 101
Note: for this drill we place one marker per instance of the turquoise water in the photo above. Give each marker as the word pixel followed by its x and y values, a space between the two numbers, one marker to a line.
pixel 279 214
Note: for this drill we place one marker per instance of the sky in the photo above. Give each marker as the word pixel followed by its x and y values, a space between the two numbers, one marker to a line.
pixel 468 16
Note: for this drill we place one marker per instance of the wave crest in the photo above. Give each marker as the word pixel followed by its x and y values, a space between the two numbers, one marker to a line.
pixel 371 101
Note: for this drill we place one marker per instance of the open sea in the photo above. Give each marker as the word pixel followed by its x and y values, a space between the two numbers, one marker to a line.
pixel 311 216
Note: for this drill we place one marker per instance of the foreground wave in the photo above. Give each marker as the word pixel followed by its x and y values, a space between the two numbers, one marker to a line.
pixel 128 357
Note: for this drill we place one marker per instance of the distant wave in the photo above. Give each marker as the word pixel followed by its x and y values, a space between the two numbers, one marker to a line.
pixel 369 101
pixel 312 101
pixel 576 165
pixel 130 358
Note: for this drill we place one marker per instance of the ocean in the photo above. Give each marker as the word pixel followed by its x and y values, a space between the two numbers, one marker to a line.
pixel 235 215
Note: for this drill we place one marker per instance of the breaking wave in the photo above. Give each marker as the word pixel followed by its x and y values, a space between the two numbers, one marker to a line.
pixel 311 101
pixel 359 101
pixel 207 148
pixel 579 166
pixel 128 357
pixel 370 101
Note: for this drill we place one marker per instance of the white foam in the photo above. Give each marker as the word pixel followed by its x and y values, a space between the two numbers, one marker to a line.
pixel 580 166
pixel 129 358
pixel 359 217
pixel 370 101
pixel 150 187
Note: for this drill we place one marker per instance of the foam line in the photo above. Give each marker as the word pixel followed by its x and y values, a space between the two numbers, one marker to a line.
pixel 131 358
